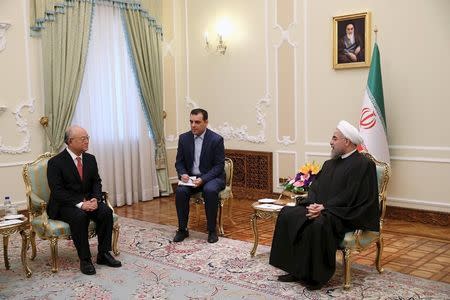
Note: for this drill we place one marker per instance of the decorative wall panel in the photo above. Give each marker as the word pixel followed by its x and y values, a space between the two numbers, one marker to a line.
pixel 252 177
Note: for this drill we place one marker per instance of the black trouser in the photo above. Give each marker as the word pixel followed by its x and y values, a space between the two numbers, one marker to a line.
pixel 210 192
pixel 79 219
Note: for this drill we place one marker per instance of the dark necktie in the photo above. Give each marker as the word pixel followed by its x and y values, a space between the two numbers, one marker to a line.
pixel 80 167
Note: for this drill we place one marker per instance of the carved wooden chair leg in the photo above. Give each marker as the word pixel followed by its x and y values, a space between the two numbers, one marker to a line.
pixel 221 232
pixel 347 268
pixel 115 240
pixel 378 257
pixel 33 244
pixel 54 253
pixel 5 251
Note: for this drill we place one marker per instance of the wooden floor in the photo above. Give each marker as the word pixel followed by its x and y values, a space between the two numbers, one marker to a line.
pixel 410 248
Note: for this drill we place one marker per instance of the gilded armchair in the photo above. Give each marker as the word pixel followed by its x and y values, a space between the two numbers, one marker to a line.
pixel 225 195
pixel 38 194
pixel 358 240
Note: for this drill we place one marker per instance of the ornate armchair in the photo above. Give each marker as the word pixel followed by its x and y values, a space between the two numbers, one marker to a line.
pixel 358 240
pixel 38 194
pixel 224 195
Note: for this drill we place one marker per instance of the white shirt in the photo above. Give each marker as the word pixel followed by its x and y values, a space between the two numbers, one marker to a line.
pixel 347 154
pixel 198 144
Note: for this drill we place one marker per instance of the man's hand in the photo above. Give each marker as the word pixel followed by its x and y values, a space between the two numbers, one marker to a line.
pixel 89 205
pixel 198 182
pixel 352 56
pixel 185 178
pixel 314 210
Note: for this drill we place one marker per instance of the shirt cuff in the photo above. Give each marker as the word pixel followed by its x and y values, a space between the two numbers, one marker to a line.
pixel 79 205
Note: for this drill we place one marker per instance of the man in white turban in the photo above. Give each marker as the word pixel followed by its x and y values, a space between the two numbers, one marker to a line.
pixel 349 136
pixel 344 197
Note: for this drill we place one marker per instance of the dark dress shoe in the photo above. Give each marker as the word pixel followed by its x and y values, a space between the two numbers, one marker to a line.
pixel 287 278
pixel 86 267
pixel 180 235
pixel 107 259
pixel 212 237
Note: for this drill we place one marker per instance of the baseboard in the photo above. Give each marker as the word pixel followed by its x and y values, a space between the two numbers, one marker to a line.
pixel 418 215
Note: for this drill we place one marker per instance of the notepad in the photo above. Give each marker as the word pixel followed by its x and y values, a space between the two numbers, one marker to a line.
pixel 10 222
pixel 189 183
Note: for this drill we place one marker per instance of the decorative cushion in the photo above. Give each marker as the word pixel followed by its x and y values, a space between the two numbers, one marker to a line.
pixel 365 239
pixel 55 228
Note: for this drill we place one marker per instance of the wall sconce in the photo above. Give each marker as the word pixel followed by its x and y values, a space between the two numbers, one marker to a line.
pixel 223 29
pixel 220 48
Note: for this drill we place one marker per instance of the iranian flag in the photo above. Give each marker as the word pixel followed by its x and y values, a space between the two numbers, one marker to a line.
pixel 372 124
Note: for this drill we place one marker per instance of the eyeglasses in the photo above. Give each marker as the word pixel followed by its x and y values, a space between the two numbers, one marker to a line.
pixel 82 138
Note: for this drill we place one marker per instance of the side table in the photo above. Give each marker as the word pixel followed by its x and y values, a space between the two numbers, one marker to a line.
pixel 24 229
pixel 261 213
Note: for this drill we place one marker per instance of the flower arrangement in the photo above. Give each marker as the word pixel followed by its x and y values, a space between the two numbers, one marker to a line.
pixel 303 179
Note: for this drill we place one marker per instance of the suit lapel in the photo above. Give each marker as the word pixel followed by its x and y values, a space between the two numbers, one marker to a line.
pixel 205 143
pixel 72 166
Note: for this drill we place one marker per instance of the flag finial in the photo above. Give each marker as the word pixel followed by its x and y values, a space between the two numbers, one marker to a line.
pixel 375 29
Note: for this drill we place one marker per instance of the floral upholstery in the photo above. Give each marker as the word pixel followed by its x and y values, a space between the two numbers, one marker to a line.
pixel 224 195
pixel 358 240
pixel 38 194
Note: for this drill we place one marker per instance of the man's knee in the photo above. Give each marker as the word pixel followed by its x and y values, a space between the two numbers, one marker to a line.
pixel 182 192
pixel 104 211
pixel 211 190
pixel 80 220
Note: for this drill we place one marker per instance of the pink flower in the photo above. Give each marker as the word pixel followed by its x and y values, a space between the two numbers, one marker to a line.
pixel 299 183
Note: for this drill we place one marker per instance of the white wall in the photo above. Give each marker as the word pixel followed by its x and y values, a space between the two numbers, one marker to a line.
pixel 278 71
pixel 271 93
pixel 21 136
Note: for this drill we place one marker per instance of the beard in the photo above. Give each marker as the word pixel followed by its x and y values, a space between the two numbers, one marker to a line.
pixel 351 38
pixel 335 153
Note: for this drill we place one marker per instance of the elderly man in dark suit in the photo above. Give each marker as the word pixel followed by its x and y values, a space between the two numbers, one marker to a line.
pixel 200 153
pixel 76 198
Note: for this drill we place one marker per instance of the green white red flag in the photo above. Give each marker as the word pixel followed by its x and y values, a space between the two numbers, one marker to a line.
pixel 372 123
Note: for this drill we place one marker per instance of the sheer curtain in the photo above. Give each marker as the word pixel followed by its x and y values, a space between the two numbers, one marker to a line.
pixel 109 107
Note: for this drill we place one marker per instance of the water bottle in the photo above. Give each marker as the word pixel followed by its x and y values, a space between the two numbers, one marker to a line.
pixel 9 208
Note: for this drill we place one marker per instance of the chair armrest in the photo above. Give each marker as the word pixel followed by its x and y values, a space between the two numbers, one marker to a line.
pixel 105 197
pixel 37 204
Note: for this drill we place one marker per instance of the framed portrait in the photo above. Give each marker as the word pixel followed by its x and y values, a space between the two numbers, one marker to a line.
pixel 351 41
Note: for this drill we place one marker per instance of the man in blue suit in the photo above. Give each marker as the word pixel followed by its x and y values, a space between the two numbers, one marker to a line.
pixel 200 154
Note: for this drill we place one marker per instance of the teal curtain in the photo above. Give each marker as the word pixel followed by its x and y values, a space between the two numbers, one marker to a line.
pixel 65 27
pixel 65 37
pixel 144 41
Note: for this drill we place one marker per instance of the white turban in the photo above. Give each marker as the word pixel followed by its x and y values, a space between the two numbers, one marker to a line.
pixel 350 132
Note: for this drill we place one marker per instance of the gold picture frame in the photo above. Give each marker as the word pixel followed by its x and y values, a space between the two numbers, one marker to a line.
pixel 354 51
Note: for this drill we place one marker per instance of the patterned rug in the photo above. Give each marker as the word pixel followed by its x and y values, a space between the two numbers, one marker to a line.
pixel 156 268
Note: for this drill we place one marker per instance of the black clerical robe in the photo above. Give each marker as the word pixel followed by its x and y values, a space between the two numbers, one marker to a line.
pixel 348 190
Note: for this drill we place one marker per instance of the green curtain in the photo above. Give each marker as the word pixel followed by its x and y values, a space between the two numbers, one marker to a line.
pixel 65 36
pixel 64 26
pixel 144 42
